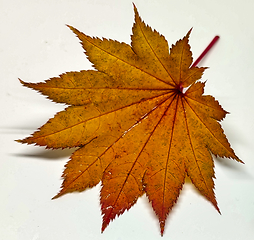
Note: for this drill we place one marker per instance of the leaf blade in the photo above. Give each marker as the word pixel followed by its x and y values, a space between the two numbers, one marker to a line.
pixel 136 128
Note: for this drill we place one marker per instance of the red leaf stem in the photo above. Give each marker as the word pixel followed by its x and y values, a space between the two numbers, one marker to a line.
pixel 215 39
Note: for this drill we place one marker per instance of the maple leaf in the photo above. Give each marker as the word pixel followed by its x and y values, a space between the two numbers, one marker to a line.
pixel 140 120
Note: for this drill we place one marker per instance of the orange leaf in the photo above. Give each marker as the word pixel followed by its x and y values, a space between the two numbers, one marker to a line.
pixel 137 127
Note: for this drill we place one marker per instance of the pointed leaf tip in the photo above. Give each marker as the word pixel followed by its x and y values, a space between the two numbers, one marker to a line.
pixel 162 227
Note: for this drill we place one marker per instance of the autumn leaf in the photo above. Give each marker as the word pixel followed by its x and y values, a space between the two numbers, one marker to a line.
pixel 140 121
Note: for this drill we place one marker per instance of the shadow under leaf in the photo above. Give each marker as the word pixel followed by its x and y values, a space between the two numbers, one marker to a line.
pixel 48 154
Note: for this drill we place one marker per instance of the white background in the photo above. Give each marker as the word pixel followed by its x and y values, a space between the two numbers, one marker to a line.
pixel 35 45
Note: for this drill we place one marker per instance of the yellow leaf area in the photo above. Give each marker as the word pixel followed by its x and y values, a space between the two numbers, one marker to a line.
pixel 137 127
